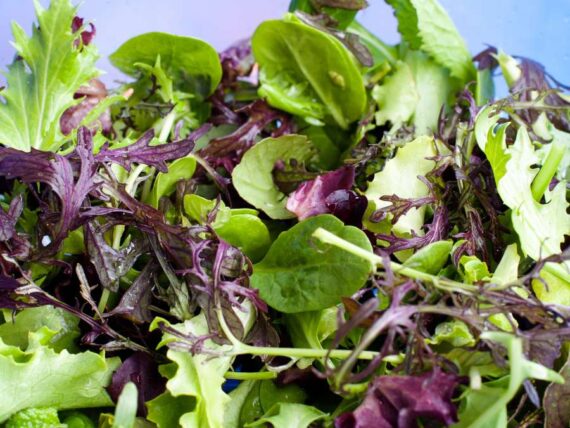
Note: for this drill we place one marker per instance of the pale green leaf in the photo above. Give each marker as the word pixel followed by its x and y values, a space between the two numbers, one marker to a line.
pixel 400 177
pixel 40 87
pixel 289 415
pixel 253 177
pixel 42 377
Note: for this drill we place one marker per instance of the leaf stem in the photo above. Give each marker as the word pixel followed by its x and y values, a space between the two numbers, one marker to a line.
pixel 549 168
pixel 250 375
pixel 438 282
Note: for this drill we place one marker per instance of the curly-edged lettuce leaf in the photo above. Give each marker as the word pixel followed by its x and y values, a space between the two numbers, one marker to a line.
pixel 194 397
pixel 42 377
pixel 400 177
pixel 41 82
pixel 425 25
pixel 541 227
pixel 295 79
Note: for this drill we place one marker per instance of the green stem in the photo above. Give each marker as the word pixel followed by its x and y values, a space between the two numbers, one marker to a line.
pixel 240 348
pixel 549 168
pixel 103 300
pixel 250 375
pixel 438 282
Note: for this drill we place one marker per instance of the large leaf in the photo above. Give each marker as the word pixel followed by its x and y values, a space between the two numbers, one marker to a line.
pixel 299 274
pixel 42 377
pixel 42 82
pixel 541 227
pixel 253 177
pixel 312 86
pixel 425 25
pixel 180 57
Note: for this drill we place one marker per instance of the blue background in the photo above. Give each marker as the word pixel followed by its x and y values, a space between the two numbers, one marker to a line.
pixel 539 29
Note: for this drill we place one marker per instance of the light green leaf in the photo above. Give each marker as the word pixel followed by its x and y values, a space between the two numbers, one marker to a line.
pixel 486 407
pixel 290 415
pixel 431 258
pixel 165 410
pixel 246 232
pixel 60 326
pixel 301 274
pixel 165 182
pixel 197 377
pixel 184 59
pixel 425 24
pixel 41 377
pixel 35 418
pixel 253 177
pixel 40 87
pixel 553 286
pixel 456 333
pixel 126 410
pixel 473 270
pixel 506 271
pixel 311 86
pixel 541 227
pixel 400 177
pixel 396 97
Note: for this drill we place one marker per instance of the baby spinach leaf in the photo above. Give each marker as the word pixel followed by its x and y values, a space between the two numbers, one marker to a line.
pixel 306 85
pixel 253 177
pixel 165 183
pixel 289 415
pixel 431 258
pixel 248 233
pixel 300 274
pixel 42 82
pixel 184 59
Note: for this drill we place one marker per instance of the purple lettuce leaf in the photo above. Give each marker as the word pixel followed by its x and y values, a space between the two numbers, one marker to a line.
pixel 141 369
pixel 398 401
pixel 142 152
pixel 92 94
pixel 310 198
pixel 9 219
pixel 59 173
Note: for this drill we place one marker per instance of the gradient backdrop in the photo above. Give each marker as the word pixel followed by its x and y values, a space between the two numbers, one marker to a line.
pixel 539 29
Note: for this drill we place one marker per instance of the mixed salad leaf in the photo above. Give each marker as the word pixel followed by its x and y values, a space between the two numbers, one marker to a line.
pixel 312 228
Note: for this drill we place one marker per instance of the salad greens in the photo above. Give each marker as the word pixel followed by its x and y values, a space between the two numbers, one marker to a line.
pixel 311 228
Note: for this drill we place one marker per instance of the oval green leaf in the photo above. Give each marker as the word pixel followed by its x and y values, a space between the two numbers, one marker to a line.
pixel 295 79
pixel 165 183
pixel 253 177
pixel 301 274
pixel 181 57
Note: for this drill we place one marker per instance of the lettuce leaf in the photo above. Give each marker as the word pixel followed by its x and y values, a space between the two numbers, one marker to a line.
pixel 52 65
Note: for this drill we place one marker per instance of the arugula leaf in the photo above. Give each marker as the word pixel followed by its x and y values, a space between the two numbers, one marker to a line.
pixel 41 84
pixel 306 85
pixel 425 24
pixel 184 59
pixel 541 227
pixel 290 415
pixel 253 177
pixel 299 274
pixel 42 377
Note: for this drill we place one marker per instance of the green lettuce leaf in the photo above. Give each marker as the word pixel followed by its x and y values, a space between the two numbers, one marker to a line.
pixel 541 228
pixel 42 377
pixel 425 25
pixel 41 85
pixel 289 415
